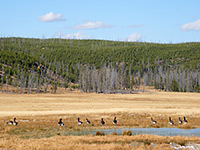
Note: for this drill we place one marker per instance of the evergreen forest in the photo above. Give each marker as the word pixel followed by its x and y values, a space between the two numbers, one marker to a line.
pixel 44 65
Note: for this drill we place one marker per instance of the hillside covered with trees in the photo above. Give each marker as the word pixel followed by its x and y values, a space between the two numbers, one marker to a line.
pixel 36 65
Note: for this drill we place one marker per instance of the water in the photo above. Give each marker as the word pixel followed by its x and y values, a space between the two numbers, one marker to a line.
pixel 136 131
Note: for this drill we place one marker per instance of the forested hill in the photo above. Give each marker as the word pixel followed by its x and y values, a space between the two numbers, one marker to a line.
pixel 34 65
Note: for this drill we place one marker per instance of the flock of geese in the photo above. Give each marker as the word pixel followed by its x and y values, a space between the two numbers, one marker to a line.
pixel 171 122
pixel 60 123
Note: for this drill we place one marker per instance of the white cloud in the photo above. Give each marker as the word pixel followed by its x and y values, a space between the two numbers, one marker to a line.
pixel 92 25
pixel 51 17
pixel 135 25
pixel 78 35
pixel 135 37
pixel 192 26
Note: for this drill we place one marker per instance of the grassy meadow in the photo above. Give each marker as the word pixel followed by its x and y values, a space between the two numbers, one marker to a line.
pixel 38 114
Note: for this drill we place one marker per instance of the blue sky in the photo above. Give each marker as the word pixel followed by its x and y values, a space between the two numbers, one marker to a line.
pixel 160 21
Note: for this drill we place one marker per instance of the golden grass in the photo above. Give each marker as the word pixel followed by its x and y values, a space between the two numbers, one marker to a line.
pixel 133 110
pixel 96 142
pixel 82 103
pixel 48 123
pixel 38 115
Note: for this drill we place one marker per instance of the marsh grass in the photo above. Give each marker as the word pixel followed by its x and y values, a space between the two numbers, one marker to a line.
pixel 25 131
pixel 97 142
pixel 146 142
pixel 46 126
pixel 37 128
pixel 96 106
pixel 186 126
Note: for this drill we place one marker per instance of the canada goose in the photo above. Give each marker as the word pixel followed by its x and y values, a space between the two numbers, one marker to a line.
pixel 153 121
pixel 88 122
pixel 170 121
pixel 60 123
pixel 184 120
pixel 179 120
pixel 102 122
pixel 12 122
pixel 79 122
pixel 115 121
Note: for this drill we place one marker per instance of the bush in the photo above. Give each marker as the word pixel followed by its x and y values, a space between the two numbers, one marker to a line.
pixel 98 133
pixel 128 133
pixel 114 133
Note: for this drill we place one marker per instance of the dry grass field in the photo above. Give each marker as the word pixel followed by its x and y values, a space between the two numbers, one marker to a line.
pixel 137 142
pixel 84 103
pixel 38 114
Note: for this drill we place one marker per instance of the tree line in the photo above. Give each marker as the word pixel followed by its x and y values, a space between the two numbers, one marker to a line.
pixel 110 78
pixel 121 79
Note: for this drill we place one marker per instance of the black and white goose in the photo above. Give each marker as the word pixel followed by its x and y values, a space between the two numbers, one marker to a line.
pixel 88 122
pixel 10 122
pixel 179 120
pixel 115 121
pixel 185 120
pixel 102 122
pixel 170 121
pixel 153 121
pixel 79 122
pixel 60 123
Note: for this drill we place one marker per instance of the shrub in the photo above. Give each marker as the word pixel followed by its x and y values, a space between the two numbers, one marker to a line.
pixel 128 133
pixel 114 133
pixel 98 133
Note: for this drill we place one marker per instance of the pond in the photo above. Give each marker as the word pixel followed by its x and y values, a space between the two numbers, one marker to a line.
pixel 136 131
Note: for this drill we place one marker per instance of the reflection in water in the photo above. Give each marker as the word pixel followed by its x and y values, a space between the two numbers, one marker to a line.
pixel 135 131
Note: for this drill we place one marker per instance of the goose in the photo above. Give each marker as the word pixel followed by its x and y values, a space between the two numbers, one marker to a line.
pixel 184 120
pixel 170 121
pixel 153 121
pixel 88 122
pixel 115 121
pixel 60 123
pixel 15 122
pixel 102 122
pixel 179 120
pixel 79 122
pixel 10 122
